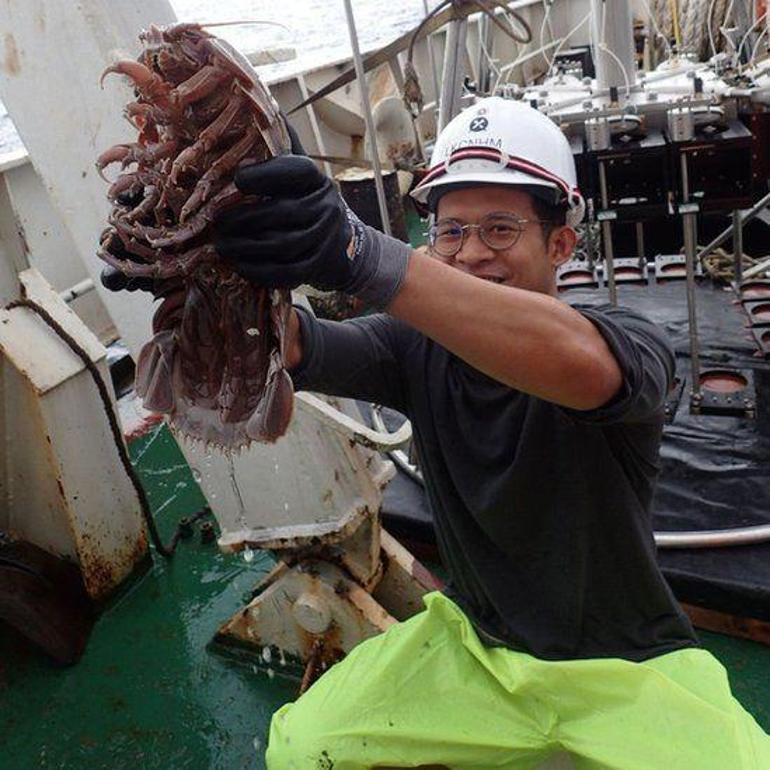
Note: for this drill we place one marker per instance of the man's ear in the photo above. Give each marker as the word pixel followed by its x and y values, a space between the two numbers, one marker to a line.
pixel 561 245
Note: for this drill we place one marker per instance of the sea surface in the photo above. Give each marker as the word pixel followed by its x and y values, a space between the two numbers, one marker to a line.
pixel 316 29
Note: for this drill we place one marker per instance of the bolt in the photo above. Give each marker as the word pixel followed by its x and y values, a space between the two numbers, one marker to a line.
pixel 208 533
pixel 185 528
pixel 312 613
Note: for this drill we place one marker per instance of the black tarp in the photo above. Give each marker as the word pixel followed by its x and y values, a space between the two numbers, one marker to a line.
pixel 715 469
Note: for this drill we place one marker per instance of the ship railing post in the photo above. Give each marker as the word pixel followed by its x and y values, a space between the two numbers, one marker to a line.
pixel 367 109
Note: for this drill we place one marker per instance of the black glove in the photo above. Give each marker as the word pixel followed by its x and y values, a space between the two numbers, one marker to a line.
pixel 115 280
pixel 299 234
pixel 112 278
pixel 300 230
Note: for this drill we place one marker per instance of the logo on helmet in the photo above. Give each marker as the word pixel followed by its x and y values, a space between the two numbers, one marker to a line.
pixel 479 124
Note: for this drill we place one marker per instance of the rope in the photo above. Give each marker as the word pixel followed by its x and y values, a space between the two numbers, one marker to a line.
pixel 658 38
pixel 675 22
pixel 692 28
pixel 720 264
pixel 683 21
pixel 117 435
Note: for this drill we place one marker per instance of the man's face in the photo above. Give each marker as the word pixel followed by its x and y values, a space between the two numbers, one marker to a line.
pixel 530 263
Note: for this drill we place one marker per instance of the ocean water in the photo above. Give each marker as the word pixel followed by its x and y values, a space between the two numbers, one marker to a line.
pixel 316 29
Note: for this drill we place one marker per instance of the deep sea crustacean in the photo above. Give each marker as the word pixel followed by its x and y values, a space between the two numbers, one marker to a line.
pixel 215 363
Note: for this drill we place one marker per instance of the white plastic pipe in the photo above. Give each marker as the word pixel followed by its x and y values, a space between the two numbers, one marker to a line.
pixel 614 43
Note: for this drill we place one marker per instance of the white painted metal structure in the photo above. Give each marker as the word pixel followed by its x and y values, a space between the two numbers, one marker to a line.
pixel 245 491
pixel 65 121
pixel 62 486
pixel 33 234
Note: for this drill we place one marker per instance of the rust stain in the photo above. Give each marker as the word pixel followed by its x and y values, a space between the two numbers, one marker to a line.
pixel 356 147
pixel 98 573
pixel 426 578
pixel 11 58
pixel 102 575
pixel 328 647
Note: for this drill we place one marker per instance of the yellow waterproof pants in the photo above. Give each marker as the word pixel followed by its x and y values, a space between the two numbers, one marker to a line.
pixel 428 692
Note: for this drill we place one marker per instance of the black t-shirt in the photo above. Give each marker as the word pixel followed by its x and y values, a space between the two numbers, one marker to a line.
pixel 542 513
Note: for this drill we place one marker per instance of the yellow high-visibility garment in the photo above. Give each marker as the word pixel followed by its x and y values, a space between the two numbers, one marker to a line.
pixel 429 692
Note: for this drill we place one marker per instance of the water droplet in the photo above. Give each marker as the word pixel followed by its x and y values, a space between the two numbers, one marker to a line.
pixel 248 554
pixel 267 654
pixel 257 744
pixel 196 474
pixel 285 506
pixel 253 331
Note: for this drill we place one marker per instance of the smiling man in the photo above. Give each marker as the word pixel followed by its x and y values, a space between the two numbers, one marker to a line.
pixel 538 426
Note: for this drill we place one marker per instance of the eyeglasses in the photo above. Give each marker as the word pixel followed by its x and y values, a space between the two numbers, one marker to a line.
pixel 498 230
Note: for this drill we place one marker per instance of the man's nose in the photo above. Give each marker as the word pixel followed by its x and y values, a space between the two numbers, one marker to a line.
pixel 474 250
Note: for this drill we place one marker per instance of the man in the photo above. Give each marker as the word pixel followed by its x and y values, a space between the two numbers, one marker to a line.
pixel 538 426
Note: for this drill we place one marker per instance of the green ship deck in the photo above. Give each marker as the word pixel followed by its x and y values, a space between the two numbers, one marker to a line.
pixel 148 692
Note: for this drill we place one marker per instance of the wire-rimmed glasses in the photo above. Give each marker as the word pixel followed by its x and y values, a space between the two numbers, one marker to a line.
pixel 499 230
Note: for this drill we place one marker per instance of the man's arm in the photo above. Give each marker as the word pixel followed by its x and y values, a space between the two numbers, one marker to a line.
pixel 359 358
pixel 300 233
pixel 530 341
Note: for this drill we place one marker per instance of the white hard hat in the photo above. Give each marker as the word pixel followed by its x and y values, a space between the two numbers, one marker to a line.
pixel 500 141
